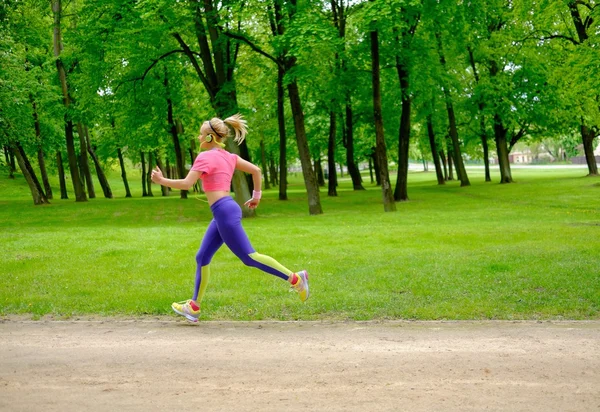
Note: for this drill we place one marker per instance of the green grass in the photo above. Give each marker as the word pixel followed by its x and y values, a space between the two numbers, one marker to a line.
pixel 528 250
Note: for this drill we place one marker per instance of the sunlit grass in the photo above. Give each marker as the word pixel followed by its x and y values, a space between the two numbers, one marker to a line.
pixel 527 250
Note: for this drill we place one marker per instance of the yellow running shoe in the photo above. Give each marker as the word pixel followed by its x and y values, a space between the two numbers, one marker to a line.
pixel 301 285
pixel 184 308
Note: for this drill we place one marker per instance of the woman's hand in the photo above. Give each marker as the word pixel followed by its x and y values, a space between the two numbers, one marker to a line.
pixel 156 175
pixel 252 203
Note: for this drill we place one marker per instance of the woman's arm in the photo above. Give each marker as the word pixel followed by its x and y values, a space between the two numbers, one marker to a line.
pixel 254 170
pixel 251 168
pixel 181 184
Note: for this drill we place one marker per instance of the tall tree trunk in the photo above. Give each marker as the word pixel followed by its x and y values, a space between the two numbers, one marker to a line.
pixel 10 161
pixel 450 157
pixel 442 157
pixel 434 151
pixel 164 189
pixel 484 144
pixel 84 164
pixel 106 190
pixel 80 195
pixel 319 171
pixel 401 191
pixel 502 149
pixel 282 135
pixel 263 160
pixel 458 161
pixel 149 174
pixel 500 133
pixel 143 159
pixel 123 172
pixel 376 167
pixel 403 41
pixel 588 134
pixel 332 175
pixel 273 170
pixel 37 193
pixel 388 197
pixel 348 134
pixel 61 176
pixel 482 128
pixel 40 151
pixel 310 181
pixel 181 172
pixel 338 12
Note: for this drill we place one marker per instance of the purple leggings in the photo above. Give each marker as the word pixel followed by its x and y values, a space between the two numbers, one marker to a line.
pixel 226 227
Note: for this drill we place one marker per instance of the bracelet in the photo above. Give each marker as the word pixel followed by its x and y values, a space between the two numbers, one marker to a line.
pixel 256 194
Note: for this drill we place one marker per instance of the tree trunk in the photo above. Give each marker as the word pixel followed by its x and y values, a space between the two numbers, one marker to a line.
pixel 442 157
pixel 282 135
pixel 149 174
pixel 458 161
pixel 143 159
pixel 10 161
pixel 401 191
pixel 164 189
pixel 106 190
pixel 80 195
pixel 332 174
pixel 123 173
pixel 84 164
pixel 348 134
pixel 434 151
pixel 502 150
pixel 273 171
pixel 588 134
pixel 482 129
pixel 484 144
pixel 174 135
pixel 40 152
pixel 39 198
pixel 310 181
pixel 263 161
pixel 61 176
pixel 376 167
pixel 450 157
pixel 319 172
pixel 388 197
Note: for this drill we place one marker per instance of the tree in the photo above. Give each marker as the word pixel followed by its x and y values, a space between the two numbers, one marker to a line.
pixel 381 154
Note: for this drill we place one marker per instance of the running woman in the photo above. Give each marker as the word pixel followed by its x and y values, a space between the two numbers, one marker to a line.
pixel 215 167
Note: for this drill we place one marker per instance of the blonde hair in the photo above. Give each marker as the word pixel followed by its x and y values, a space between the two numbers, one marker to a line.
pixel 220 127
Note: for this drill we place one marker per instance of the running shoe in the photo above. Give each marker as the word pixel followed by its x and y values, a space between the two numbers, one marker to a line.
pixel 301 285
pixel 184 308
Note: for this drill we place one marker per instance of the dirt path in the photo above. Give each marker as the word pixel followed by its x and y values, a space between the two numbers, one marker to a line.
pixel 167 365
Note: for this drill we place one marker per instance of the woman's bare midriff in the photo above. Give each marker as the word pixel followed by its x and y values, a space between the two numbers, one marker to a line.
pixel 215 195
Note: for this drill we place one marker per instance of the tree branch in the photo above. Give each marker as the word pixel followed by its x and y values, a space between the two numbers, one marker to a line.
pixel 548 36
pixel 188 52
pixel 154 62
pixel 252 46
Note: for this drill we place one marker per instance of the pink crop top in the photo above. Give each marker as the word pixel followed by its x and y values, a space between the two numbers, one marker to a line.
pixel 216 169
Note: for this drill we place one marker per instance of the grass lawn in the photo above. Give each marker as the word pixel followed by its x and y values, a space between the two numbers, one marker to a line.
pixel 528 250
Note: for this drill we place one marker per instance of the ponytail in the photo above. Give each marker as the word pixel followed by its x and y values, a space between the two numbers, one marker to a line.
pixel 239 126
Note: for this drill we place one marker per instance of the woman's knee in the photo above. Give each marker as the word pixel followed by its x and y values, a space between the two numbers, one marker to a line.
pixel 202 259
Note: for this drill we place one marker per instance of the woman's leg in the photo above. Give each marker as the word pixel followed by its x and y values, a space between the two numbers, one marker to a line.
pixel 228 216
pixel 211 242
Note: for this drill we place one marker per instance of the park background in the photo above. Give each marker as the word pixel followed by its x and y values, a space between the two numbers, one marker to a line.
pixel 418 106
